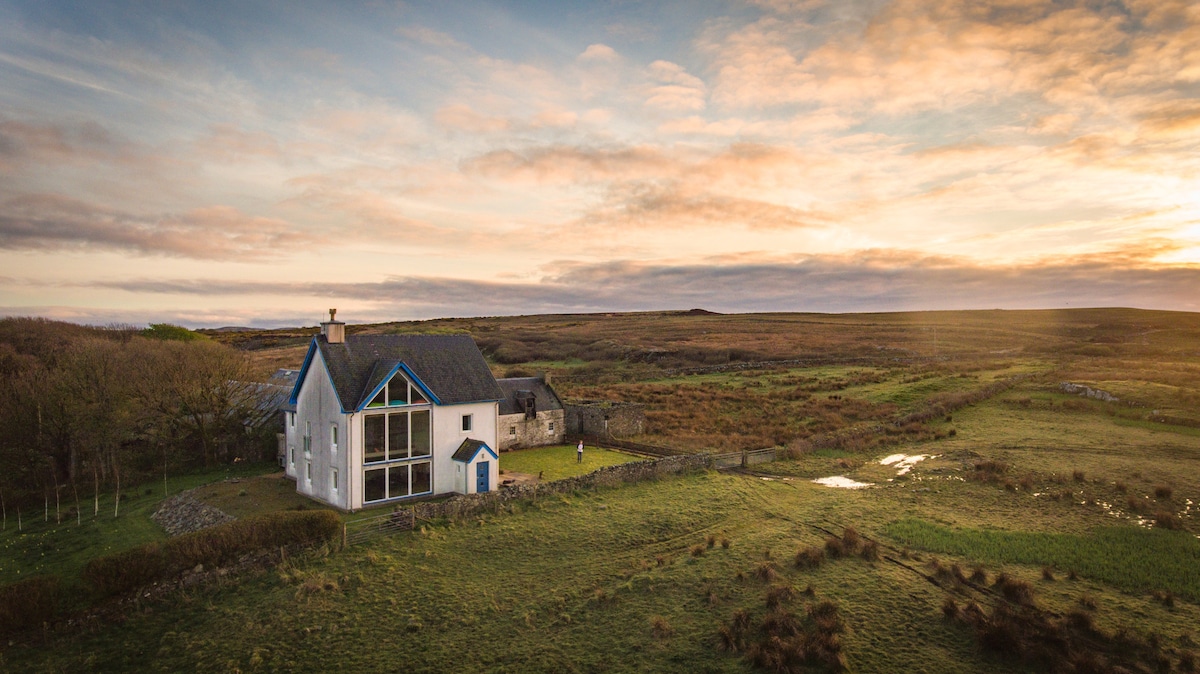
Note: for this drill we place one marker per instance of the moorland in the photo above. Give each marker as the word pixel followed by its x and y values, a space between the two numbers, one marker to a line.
pixel 1004 522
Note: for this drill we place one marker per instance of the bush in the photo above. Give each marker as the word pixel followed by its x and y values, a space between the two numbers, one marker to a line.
pixel 810 558
pixel 1163 491
pixel 211 547
pixel 1164 519
pixel 28 603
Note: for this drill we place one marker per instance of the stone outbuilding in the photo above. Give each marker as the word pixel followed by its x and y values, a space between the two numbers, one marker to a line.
pixel 531 414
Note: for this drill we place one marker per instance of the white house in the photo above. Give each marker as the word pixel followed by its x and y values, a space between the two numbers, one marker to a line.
pixel 381 418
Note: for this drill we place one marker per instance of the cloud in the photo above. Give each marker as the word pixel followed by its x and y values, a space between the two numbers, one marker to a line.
pixel 27 143
pixel 676 89
pixel 599 52
pixel 869 280
pixel 53 222
pixel 461 117
pixel 671 206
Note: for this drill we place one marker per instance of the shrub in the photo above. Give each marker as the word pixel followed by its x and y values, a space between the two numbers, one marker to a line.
pixel 949 608
pixel 725 543
pixel 870 551
pixel 1163 491
pixel 778 595
pixel 710 540
pixel 660 628
pixel 810 558
pixel 1121 487
pixel 851 540
pixel 979 575
pixel 1047 573
pixel 1164 519
pixel 211 547
pixel 1187 661
pixel 834 547
pixel 765 571
pixel 1014 590
pixel 697 550
pixel 28 603
pixel 1078 476
pixel 1087 601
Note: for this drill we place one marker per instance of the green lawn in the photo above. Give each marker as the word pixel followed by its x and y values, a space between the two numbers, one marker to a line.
pixel 559 461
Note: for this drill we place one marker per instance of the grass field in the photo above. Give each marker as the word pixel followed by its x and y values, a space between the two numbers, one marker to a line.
pixel 1029 482
pixel 43 545
pixel 559 461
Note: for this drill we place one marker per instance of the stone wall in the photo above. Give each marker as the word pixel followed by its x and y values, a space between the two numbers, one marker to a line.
pixel 474 504
pixel 605 418
pixel 531 432
pixel 1086 392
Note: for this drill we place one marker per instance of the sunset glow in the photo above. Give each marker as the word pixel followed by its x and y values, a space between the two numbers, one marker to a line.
pixel 214 164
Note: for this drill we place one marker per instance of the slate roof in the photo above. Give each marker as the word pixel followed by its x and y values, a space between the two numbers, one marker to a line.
pixel 451 366
pixel 514 387
pixel 468 449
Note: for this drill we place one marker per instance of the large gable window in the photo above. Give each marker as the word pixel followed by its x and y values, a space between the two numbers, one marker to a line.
pixel 398 391
pixel 396 448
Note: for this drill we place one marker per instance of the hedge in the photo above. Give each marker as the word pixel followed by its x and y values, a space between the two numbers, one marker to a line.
pixel 29 602
pixel 211 547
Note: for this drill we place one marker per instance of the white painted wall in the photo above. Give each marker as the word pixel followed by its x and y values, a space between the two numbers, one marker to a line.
pixel 317 403
pixel 448 435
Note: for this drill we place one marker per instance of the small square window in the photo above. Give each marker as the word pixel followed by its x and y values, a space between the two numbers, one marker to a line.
pixel 512 431
pixel 466 426
pixel 551 427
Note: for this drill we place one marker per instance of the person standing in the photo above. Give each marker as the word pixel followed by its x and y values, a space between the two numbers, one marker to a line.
pixel 579 452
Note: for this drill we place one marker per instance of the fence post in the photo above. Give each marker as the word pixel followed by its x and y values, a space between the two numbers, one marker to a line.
pixel 343 535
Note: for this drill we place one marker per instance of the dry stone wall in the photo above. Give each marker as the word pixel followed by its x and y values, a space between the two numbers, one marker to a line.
pixel 474 504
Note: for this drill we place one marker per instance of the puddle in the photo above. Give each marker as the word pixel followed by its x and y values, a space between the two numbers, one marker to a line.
pixel 842 482
pixel 904 462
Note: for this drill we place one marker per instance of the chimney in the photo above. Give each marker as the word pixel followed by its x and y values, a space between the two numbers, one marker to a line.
pixel 334 330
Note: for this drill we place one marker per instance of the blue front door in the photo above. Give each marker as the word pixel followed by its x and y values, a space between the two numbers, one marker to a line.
pixel 481 477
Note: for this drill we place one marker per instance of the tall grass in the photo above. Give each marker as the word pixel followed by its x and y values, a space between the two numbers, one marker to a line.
pixel 1128 558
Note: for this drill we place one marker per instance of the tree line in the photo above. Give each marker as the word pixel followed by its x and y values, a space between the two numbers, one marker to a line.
pixel 86 409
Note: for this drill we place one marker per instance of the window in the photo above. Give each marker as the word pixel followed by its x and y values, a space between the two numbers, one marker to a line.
pixel 397 481
pixel 292 455
pixel 512 431
pixel 307 438
pixel 308 471
pixel 333 437
pixel 550 427
pixel 396 436
pixel 396 392
pixel 466 426
pixel 292 419
pixel 333 479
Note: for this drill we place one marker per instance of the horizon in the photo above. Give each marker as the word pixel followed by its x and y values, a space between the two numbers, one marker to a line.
pixel 218 165
pixel 302 325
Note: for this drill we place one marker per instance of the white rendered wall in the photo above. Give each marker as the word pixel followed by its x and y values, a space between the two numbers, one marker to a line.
pixel 317 403
pixel 448 435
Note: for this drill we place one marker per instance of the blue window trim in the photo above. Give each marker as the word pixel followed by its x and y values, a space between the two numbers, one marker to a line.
pixel 416 381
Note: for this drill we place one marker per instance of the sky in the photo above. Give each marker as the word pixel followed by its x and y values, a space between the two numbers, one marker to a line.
pixel 230 163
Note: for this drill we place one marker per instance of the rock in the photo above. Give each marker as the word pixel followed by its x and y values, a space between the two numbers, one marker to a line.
pixel 184 513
